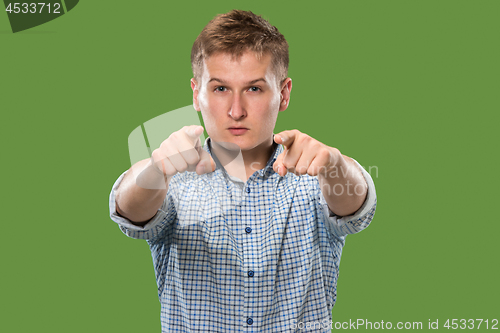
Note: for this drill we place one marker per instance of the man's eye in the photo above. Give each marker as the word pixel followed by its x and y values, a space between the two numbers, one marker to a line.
pixel 254 89
pixel 221 88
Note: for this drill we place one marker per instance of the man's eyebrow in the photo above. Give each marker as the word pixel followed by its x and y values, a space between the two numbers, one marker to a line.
pixel 255 81
pixel 216 79
pixel 249 83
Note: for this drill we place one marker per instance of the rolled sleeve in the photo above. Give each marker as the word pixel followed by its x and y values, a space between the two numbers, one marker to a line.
pixel 341 226
pixel 150 230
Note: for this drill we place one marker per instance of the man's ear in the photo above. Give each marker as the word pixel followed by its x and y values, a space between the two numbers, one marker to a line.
pixel 286 89
pixel 194 86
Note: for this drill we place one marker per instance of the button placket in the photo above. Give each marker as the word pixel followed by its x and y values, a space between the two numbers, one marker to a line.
pixel 249 256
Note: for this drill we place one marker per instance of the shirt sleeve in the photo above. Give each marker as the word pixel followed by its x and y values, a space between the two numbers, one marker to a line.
pixel 340 226
pixel 155 227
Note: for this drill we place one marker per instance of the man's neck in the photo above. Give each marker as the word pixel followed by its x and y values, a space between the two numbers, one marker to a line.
pixel 242 164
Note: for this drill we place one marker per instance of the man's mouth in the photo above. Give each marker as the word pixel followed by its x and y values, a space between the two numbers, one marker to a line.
pixel 237 130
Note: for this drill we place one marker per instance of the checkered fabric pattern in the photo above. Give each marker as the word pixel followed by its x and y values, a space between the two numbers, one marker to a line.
pixel 259 256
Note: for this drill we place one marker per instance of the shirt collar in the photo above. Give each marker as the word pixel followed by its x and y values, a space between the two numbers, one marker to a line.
pixel 265 172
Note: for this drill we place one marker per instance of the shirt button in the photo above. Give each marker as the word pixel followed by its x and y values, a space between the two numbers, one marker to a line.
pixel 250 273
pixel 248 189
pixel 248 230
pixel 249 321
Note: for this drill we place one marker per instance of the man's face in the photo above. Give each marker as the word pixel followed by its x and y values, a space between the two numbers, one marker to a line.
pixel 240 99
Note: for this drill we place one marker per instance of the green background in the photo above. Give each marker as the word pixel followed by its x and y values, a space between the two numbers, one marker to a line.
pixel 408 87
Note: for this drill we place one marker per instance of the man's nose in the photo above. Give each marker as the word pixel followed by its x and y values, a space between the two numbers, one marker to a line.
pixel 237 109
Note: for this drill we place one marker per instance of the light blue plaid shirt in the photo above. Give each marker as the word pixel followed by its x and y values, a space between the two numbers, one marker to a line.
pixel 260 256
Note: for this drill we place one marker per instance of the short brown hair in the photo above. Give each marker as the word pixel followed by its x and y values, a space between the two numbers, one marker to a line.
pixel 236 32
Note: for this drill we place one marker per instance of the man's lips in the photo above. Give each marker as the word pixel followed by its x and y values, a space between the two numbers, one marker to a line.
pixel 237 130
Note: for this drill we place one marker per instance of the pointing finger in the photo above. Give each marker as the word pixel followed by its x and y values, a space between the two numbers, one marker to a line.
pixel 194 131
pixel 286 138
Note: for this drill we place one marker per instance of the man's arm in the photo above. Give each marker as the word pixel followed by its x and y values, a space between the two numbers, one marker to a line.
pixel 140 203
pixel 341 181
pixel 144 187
pixel 343 187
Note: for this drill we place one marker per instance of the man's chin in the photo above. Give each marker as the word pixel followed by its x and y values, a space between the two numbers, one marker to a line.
pixel 240 143
pixel 227 145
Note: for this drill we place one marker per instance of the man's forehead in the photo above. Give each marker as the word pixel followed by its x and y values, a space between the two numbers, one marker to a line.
pixel 224 67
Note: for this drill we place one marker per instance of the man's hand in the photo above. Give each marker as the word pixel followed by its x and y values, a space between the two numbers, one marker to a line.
pixel 304 155
pixel 340 180
pixel 182 151
pixel 142 191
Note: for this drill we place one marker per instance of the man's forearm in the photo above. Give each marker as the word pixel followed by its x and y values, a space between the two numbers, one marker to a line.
pixel 344 187
pixel 141 192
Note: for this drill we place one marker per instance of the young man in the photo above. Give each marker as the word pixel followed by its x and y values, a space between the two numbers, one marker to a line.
pixel 246 234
